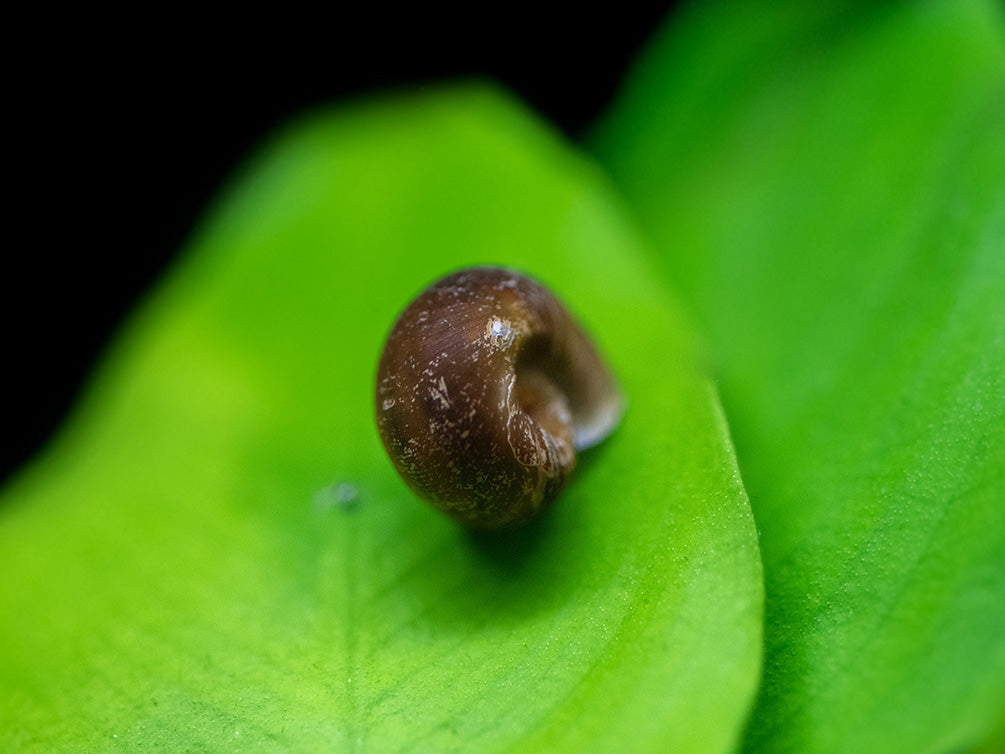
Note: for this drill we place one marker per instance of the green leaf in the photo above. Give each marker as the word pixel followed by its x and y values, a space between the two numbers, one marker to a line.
pixel 826 186
pixel 216 552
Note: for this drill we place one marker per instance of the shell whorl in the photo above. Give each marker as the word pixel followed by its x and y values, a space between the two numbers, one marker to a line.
pixel 485 390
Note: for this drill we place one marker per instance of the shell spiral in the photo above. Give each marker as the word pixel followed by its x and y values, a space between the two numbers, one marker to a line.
pixel 485 391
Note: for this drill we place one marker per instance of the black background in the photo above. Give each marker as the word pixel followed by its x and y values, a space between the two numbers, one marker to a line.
pixel 122 127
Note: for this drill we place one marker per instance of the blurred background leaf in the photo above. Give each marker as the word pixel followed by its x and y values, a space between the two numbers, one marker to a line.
pixel 216 553
pixel 826 186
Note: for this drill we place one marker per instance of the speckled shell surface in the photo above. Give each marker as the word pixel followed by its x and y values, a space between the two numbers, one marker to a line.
pixel 485 390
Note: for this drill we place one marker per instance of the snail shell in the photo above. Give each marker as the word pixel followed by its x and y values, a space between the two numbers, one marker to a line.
pixel 485 391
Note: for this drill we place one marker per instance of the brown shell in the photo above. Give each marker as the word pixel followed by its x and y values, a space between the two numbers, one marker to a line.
pixel 485 390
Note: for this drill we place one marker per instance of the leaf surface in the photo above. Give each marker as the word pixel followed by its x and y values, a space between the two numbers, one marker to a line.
pixel 826 187
pixel 216 553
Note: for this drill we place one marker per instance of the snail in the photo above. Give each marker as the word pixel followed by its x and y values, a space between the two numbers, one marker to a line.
pixel 486 389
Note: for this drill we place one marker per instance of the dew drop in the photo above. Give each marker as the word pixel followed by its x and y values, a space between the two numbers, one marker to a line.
pixel 340 495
